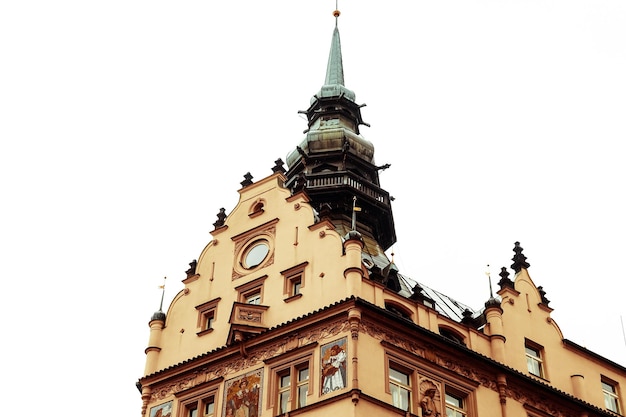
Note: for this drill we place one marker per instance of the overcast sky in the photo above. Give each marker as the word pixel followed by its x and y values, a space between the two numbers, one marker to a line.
pixel 126 125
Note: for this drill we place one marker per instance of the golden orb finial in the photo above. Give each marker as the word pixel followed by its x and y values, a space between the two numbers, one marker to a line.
pixel 336 13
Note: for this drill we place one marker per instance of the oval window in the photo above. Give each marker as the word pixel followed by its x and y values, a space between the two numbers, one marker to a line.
pixel 257 252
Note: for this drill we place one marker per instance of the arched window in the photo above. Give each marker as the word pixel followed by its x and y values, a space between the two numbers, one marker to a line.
pixel 452 335
pixel 399 310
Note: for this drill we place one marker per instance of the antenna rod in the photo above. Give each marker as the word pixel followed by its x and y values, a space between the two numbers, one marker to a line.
pixel 162 293
pixel 623 334
pixel 489 277
pixel 354 210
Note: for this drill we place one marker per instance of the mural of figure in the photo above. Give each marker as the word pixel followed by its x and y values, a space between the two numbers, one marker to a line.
pixel 242 395
pixel 428 403
pixel 246 400
pixel 163 410
pixel 332 370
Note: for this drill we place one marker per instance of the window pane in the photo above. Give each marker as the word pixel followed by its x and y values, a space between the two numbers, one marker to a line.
pixel 453 413
pixel 534 367
pixel 610 403
pixel 193 413
pixel 303 390
pixel 303 374
pixel 399 396
pixel 454 406
pixel 209 407
pixel 608 387
pixel 398 376
pixel 285 380
pixel 457 402
pixel 610 397
pixel 303 387
pixel 399 386
pixel 533 361
pixel 283 400
pixel 532 352
pixel 256 254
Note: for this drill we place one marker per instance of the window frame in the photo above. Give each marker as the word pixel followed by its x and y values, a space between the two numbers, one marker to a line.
pixel 245 241
pixel 294 282
pixel 537 358
pixel 423 373
pixel 399 309
pixel 458 410
pixel 408 388
pixel 198 401
pixel 207 314
pixel 612 394
pixel 249 289
pixel 290 365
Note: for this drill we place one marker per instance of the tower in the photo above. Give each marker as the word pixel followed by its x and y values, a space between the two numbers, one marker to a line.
pixel 293 308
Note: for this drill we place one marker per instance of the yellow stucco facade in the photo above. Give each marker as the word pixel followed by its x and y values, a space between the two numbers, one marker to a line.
pixel 337 303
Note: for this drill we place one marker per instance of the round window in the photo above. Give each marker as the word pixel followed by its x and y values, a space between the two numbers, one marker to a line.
pixel 256 253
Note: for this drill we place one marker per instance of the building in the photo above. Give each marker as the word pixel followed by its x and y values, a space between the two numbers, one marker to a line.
pixel 293 308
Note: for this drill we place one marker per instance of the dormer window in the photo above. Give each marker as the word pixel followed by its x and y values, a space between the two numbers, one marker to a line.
pixel 451 335
pixel 400 311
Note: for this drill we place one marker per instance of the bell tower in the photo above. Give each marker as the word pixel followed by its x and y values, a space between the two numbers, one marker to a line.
pixel 334 164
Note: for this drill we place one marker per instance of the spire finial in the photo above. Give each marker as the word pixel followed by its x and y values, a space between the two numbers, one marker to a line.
pixel 336 13
pixel 488 273
pixel 354 211
pixel 160 315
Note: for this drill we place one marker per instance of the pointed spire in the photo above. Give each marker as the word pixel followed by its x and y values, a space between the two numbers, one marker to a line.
pixel 334 82
pixel 492 302
pixel 334 68
pixel 160 315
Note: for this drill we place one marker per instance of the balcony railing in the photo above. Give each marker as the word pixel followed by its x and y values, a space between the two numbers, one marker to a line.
pixel 339 179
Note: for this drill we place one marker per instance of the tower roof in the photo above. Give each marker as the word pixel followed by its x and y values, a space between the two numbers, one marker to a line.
pixel 334 164
pixel 334 82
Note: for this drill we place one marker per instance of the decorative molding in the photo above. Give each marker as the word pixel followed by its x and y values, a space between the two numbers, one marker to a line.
pixel 527 397
pixel 255 356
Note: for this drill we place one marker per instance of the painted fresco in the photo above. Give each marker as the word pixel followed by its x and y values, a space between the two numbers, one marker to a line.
pixel 163 410
pixel 242 395
pixel 333 360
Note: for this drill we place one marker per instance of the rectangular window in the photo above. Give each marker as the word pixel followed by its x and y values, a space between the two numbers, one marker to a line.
pixel 199 406
pixel 209 318
pixel 400 388
pixel 251 292
pixel 291 386
pixel 611 399
pixel 534 360
pixel 420 391
pixel 284 391
pixel 294 282
pixel 455 406
pixel 209 407
pixel 207 313
pixel 253 297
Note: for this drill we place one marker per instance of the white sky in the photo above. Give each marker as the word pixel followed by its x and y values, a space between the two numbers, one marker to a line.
pixel 126 125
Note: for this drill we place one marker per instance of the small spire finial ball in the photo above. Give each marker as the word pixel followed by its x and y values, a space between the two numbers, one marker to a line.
pixel 336 13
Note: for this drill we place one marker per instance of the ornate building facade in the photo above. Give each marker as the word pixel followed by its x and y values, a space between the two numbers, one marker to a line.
pixel 293 308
